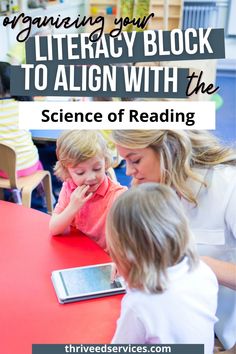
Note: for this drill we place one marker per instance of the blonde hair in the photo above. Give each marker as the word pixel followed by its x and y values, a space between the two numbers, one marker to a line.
pixel 180 152
pixel 76 146
pixel 147 232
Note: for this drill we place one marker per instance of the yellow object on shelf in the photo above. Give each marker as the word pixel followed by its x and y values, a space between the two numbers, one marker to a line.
pixel 94 10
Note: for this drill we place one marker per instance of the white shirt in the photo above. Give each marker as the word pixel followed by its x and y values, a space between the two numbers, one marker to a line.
pixel 183 314
pixel 213 223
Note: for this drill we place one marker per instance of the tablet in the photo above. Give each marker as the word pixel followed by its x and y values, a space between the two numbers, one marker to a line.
pixel 82 283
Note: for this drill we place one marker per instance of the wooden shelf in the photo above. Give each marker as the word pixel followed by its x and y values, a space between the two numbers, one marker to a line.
pixel 168 14
pixel 102 2
pixel 170 2
pixel 106 8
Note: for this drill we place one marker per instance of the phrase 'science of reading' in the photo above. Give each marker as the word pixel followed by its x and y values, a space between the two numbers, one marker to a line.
pixel 116 115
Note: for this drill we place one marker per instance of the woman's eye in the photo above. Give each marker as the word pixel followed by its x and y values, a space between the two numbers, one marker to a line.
pixel 97 169
pixel 79 173
pixel 136 161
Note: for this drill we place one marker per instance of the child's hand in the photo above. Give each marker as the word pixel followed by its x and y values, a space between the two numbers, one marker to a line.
pixel 79 197
pixel 114 272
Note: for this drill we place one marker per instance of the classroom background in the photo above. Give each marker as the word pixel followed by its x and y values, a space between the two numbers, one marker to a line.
pixel 169 14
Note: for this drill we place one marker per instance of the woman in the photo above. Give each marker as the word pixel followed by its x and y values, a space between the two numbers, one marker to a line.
pixel 203 174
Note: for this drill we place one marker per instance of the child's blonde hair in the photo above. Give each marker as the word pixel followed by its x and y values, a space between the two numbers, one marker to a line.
pixel 147 232
pixel 179 151
pixel 76 146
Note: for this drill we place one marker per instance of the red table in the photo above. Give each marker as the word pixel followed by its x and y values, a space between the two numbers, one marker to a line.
pixel 30 312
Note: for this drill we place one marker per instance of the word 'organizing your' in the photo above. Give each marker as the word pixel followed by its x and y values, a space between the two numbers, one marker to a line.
pixel 68 22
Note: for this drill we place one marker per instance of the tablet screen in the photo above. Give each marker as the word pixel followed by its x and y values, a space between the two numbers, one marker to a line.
pixel 79 281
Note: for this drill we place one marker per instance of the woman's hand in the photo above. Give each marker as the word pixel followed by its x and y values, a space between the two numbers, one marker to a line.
pixel 224 271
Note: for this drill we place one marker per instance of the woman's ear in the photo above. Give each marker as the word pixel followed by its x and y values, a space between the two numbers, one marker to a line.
pixel 108 163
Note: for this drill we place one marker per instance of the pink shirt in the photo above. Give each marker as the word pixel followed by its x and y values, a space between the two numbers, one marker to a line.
pixel 91 218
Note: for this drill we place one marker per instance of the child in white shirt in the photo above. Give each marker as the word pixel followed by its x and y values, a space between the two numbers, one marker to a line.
pixel 172 295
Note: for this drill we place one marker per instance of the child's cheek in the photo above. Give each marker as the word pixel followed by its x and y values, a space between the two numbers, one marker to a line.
pixel 77 181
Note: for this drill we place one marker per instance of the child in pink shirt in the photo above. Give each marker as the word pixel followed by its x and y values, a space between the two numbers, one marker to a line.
pixel 87 192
